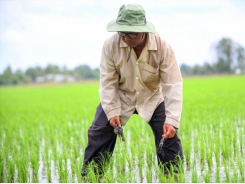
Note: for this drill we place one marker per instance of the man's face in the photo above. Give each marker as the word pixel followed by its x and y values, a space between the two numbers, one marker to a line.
pixel 131 38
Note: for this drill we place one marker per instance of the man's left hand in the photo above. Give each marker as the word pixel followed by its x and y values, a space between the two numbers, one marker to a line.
pixel 168 131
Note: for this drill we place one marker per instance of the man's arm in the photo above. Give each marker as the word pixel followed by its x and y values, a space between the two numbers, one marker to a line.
pixel 109 79
pixel 172 91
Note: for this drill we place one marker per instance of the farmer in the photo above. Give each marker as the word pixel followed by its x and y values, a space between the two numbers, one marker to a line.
pixel 138 75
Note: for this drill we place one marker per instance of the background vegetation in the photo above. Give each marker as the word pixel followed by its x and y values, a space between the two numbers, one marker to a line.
pixel 228 58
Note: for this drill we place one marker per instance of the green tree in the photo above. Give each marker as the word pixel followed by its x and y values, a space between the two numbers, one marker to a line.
pixel 20 78
pixel 225 51
pixel 185 69
pixel 83 72
pixel 241 58
pixel 32 73
pixel 39 71
pixel 96 73
pixel 197 70
pixel 52 69
pixel 65 71
pixel 6 77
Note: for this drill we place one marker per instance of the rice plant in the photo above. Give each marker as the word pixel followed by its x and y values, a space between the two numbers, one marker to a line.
pixel 43 135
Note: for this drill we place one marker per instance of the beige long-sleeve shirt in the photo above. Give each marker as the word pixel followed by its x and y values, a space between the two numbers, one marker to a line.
pixel 142 83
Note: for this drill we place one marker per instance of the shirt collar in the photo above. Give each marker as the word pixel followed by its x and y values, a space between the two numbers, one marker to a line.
pixel 150 42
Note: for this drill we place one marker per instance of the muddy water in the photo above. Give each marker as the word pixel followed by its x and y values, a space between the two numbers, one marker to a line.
pixel 42 175
pixel 225 170
pixel 199 170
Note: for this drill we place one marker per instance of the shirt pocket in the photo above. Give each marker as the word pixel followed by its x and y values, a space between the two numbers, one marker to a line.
pixel 150 74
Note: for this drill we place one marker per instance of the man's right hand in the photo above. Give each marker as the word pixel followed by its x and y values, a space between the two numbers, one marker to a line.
pixel 115 121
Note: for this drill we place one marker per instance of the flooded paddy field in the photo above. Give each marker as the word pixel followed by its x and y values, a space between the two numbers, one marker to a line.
pixel 43 135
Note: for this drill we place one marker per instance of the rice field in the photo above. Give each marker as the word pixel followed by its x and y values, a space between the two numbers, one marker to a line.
pixel 43 135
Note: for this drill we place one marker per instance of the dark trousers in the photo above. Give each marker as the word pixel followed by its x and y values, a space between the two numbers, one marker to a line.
pixel 102 140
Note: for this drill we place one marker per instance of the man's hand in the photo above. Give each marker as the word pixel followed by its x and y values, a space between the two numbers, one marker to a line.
pixel 168 131
pixel 115 121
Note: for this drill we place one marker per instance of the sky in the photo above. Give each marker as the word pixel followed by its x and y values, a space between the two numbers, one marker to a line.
pixel 72 32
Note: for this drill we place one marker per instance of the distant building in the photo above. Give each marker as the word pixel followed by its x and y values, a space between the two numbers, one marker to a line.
pixel 55 78
pixel 238 71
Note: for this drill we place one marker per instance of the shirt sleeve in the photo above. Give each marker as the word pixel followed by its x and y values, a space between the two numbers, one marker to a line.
pixel 108 90
pixel 171 87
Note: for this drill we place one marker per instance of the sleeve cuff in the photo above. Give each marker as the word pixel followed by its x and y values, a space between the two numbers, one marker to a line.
pixel 172 122
pixel 113 113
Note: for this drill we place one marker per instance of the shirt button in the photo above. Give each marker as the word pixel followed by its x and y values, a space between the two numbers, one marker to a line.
pixel 138 93
pixel 137 63
pixel 137 78
pixel 135 105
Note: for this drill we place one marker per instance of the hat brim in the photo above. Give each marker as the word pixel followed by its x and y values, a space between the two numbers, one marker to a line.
pixel 114 27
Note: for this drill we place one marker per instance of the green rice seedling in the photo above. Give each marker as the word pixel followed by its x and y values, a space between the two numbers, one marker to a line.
pixel 209 157
pixel 234 178
pixel 237 166
pixel 75 149
pixel 55 152
pixel 111 167
pixel 187 151
pixel 176 172
pixel 62 170
pixel 120 157
pixel 95 170
pixel 217 175
pixel 123 178
pixel 242 142
pixel 194 176
pixel 108 177
pixel 206 176
pixel 47 161
pixel 148 174
pixel 22 167
pixel 179 177
pixel 73 168
pixel 161 177
pixel 92 169
pixel 180 171
pixel 129 161
pixel 134 152
pixel 48 171
pixel 120 167
pixel 10 166
pixel 149 159
pixel 217 153
pixel 202 156
pixel 140 165
pixel 78 170
pixel 227 172
pixel 37 119
pixel 93 178
pixel 227 151
pixel 111 172
pixel 34 161
pixel 241 168
pixel 235 144
pixel 2 162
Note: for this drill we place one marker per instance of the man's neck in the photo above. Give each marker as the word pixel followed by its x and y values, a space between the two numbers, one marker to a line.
pixel 139 48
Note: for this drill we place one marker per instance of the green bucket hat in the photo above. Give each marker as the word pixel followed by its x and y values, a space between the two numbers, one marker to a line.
pixel 131 18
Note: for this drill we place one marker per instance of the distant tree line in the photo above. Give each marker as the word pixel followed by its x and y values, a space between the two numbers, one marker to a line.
pixel 52 73
pixel 229 58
